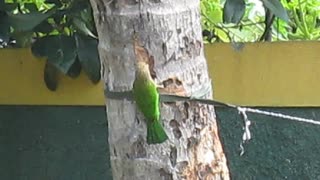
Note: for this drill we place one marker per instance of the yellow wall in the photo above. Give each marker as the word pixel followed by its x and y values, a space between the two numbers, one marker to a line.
pixel 266 74
pixel 21 78
pixel 261 74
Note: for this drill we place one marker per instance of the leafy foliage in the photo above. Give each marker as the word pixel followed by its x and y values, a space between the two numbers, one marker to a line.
pixel 255 20
pixel 233 21
pixel 306 19
pixel 62 31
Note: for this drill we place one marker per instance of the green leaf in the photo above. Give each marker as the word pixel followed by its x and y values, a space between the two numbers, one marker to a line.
pixel 51 76
pixel 59 16
pixel 60 50
pixel 8 6
pixel 222 35
pixel 86 14
pixel 89 57
pixel 82 27
pixel 233 11
pixel 4 26
pixel 55 2
pixel 26 22
pixel 79 6
pixel 277 9
pixel 75 69
pixel 215 15
pixel 31 7
pixel 44 27
pixel 38 48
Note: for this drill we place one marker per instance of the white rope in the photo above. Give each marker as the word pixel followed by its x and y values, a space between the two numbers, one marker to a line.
pixel 201 92
pixel 243 112
pixel 283 116
pixel 246 131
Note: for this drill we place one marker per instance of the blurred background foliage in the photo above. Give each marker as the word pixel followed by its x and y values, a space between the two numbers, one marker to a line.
pixel 63 31
pixel 260 20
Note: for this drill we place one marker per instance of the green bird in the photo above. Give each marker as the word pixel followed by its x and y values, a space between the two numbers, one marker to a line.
pixel 147 99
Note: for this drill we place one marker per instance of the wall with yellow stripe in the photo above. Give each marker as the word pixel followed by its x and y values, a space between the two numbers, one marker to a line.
pixel 266 74
pixel 21 78
pixel 258 74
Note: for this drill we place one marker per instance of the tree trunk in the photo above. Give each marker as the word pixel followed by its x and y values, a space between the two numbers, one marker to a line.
pixel 171 32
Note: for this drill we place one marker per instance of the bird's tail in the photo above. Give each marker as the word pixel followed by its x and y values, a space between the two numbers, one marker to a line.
pixel 155 133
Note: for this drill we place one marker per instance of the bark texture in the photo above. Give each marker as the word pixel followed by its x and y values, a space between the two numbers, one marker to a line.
pixel 171 32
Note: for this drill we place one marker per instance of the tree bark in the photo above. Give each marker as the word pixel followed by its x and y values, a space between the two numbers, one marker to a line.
pixel 171 32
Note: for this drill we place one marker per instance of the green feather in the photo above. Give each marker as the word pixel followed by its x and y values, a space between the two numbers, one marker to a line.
pixel 155 133
pixel 147 99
